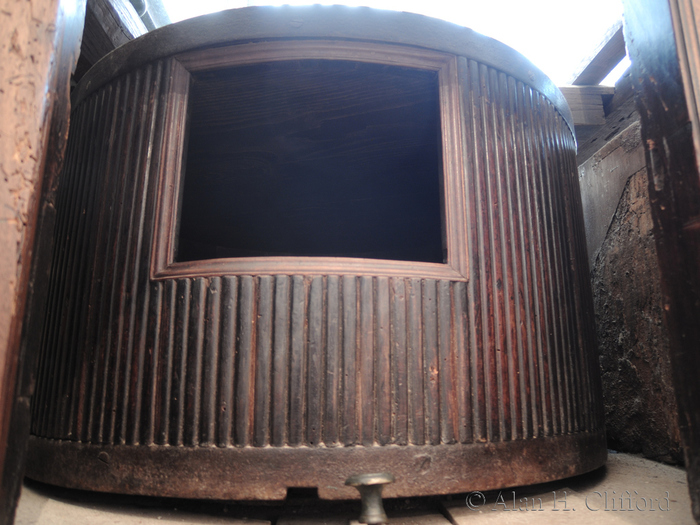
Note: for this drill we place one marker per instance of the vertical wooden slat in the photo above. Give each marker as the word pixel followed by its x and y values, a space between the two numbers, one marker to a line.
pixel 366 366
pixel 263 362
pixel 538 253
pixel 152 368
pixel 382 391
pixel 77 285
pixel 179 385
pixel 539 414
pixel 582 292
pixel 509 265
pixel 431 371
pixel 227 352
pixel 333 370
pixel 66 282
pixel 103 338
pixel 414 351
pixel 488 281
pixel 138 365
pixel 580 271
pixel 141 234
pixel 245 363
pixel 166 366
pixel 42 392
pixel 104 270
pixel 570 338
pixel 587 358
pixel 399 365
pixel 463 365
pixel 116 374
pixel 448 368
pixel 195 352
pixel 130 304
pixel 551 280
pixel 280 361
pixel 349 398
pixel 560 277
pixel 500 253
pixel 297 363
pixel 86 398
pixel 314 360
pixel 525 315
pixel 475 243
pixel 151 331
pixel 210 364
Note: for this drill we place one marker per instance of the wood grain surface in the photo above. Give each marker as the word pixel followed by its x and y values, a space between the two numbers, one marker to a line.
pixel 40 42
pixel 346 354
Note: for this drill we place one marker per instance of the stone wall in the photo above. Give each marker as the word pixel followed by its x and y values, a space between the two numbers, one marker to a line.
pixel 640 406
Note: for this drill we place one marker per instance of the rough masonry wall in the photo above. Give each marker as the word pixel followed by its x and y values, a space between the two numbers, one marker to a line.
pixel 640 407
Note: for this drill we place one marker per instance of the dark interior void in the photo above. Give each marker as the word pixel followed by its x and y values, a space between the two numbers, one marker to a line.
pixel 313 158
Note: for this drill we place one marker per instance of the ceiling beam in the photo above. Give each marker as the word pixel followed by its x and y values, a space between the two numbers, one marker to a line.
pixel 593 69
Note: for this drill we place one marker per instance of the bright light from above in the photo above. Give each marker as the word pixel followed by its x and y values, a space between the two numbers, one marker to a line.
pixel 616 73
pixel 556 35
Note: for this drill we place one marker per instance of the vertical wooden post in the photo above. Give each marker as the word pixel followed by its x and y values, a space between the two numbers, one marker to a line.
pixel 39 46
pixel 662 58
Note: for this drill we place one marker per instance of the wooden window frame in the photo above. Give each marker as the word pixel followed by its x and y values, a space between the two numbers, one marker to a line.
pixel 168 203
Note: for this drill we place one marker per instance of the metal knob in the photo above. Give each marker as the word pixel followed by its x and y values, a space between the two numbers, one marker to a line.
pixel 370 488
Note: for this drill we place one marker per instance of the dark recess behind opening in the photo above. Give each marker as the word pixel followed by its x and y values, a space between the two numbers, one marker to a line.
pixel 313 158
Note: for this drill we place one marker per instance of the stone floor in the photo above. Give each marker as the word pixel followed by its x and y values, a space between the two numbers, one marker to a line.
pixel 629 490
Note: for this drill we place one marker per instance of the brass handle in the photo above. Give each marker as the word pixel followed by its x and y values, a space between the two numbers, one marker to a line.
pixel 370 488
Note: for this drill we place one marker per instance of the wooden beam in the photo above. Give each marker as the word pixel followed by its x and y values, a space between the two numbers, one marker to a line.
pixel 587 103
pixel 620 113
pixel 686 22
pixel 602 61
pixel 108 25
pixel 667 110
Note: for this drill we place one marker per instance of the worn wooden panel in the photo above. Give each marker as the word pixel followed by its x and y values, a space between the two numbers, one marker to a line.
pixel 108 25
pixel 40 43
pixel 314 360
pixel 664 51
pixel 260 414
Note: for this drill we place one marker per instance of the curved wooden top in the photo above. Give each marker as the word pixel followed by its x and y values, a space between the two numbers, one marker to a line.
pixel 249 24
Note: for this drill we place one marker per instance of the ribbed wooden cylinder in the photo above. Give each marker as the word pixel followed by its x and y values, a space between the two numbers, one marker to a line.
pixel 241 385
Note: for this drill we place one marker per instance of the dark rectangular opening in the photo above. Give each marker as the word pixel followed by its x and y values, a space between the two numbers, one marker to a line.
pixel 313 157
pixel 302 493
